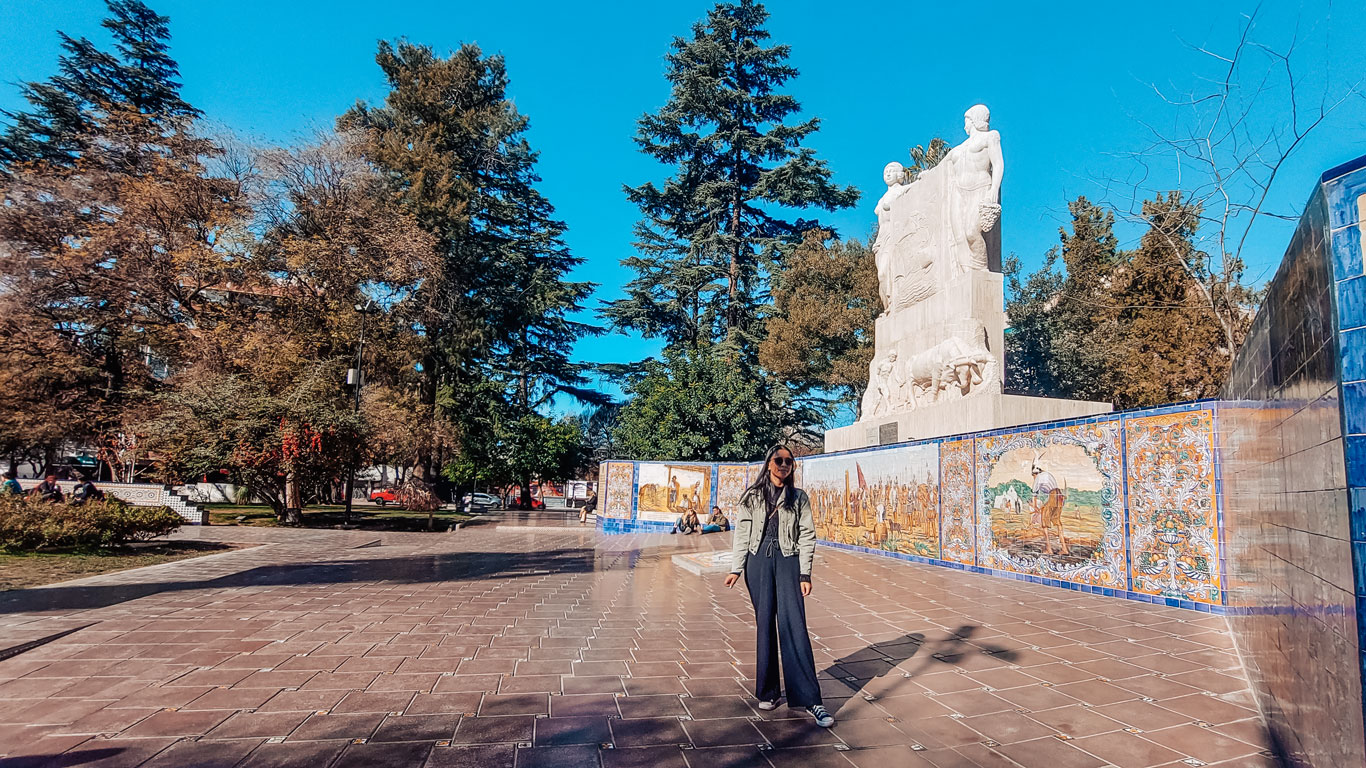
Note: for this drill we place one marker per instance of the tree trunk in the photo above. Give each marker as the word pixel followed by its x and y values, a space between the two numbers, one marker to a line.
pixel 294 505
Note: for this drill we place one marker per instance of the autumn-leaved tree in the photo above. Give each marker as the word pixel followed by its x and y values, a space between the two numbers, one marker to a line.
pixel 820 330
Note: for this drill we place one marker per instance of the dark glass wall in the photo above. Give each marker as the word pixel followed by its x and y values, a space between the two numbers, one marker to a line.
pixel 1289 520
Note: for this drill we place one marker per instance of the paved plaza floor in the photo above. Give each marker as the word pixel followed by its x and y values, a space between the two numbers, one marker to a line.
pixel 504 647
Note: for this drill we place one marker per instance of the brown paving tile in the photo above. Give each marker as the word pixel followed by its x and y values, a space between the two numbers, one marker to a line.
pixel 401 682
pixel 726 732
pixel 1203 743
pixel 487 730
pixel 1049 752
pixel 384 754
pixel 161 697
pixel 515 704
pixel 648 731
pixel 808 757
pixel 299 754
pixel 559 731
pixel 324 727
pixel 1075 721
pixel 265 725
pixel 1127 750
pixel 708 707
pixel 869 732
pixel 443 703
pixel 416 728
pixel 302 701
pixel 888 757
pixel 481 756
pixel 973 702
pixel 598 668
pixel 712 686
pixel 650 706
pixel 1142 715
pixel 277 679
pixel 204 754
pixel 795 733
pixel 113 753
pixel 728 757
pixel 233 698
pixel 1159 688
pixel 650 686
pixel 1007 727
pixel 578 756
pixel 643 757
pixel 1211 709
pixel 530 684
pixel 377 701
pixel 178 724
pixel 1096 692
pixel 466 683
pixel 107 720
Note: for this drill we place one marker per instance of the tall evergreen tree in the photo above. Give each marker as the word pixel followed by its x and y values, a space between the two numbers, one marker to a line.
pixel 495 313
pixel 711 231
pixel 138 76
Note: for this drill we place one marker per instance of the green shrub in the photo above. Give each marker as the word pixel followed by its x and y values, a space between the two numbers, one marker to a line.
pixel 28 524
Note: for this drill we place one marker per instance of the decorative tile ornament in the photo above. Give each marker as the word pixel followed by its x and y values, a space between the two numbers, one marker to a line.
pixel 617 498
pixel 731 481
pixel 1173 506
pixel 1050 504
pixel 957 536
pixel 885 499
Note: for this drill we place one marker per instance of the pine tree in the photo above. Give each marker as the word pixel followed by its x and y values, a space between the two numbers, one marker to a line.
pixel 1167 346
pixel 1090 255
pixel 495 312
pixel 1032 336
pixel 713 229
pixel 138 77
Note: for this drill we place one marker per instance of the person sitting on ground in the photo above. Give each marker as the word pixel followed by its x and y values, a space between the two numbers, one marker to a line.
pixel 717 523
pixel 688 523
pixel 48 490
pixel 85 491
pixel 11 486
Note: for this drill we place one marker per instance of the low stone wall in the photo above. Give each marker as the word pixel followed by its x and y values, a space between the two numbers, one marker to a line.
pixel 141 495
pixel 1136 513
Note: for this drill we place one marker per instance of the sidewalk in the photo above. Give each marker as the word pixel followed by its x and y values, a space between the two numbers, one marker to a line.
pixel 502 648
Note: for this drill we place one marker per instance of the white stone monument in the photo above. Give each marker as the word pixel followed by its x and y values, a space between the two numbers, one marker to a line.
pixel 939 359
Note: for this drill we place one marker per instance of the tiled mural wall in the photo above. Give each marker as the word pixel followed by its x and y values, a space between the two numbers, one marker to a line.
pixel 1293 513
pixel 1063 504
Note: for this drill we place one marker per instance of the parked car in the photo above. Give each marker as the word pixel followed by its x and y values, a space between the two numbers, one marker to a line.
pixel 486 500
pixel 384 497
pixel 536 503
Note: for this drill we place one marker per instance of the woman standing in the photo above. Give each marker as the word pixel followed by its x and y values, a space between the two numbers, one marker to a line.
pixel 774 544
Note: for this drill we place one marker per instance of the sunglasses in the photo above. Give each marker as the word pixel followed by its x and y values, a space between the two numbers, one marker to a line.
pixel 782 461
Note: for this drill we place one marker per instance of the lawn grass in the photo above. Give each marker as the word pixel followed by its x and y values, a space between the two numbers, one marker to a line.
pixel 32 569
pixel 332 515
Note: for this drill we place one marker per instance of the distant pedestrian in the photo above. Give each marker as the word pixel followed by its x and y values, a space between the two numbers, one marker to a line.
pixel 687 523
pixel 48 490
pixel 11 486
pixel 85 491
pixel 774 546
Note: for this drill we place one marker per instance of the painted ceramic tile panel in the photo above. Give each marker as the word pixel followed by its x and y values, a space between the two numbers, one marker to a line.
pixel 1173 506
pixel 617 498
pixel 731 481
pixel 667 490
pixel 1049 503
pixel 957 532
pixel 882 499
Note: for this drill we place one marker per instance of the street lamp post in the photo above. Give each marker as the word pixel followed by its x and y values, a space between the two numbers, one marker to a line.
pixel 356 379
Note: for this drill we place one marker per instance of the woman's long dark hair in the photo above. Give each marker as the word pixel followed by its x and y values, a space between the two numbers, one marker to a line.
pixel 789 485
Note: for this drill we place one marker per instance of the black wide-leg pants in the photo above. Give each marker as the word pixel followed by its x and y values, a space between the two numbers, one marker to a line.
pixel 774 582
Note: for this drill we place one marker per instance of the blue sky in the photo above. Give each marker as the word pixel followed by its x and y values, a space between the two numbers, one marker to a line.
pixel 1070 86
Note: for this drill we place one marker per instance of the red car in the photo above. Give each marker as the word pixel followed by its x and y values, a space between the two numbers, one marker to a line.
pixel 384 496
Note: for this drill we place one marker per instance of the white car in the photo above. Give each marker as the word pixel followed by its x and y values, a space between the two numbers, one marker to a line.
pixel 481 499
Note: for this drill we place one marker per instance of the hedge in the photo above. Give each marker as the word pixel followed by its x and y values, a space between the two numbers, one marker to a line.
pixel 28 524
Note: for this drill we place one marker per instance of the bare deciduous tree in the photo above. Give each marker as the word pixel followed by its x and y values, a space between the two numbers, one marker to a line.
pixel 1228 142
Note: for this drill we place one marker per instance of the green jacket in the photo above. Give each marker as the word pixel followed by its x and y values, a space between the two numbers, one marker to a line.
pixel 796 531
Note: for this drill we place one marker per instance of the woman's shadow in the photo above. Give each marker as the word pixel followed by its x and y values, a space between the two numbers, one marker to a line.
pixel 863 670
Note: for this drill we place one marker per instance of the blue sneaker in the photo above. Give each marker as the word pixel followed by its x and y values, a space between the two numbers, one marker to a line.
pixel 823 717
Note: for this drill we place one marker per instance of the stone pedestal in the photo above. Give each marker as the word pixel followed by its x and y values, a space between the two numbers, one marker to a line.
pixel 976 414
pixel 966 312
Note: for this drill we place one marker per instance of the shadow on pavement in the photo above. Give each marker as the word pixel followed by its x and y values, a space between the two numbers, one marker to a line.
pixel 858 669
pixel 416 569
